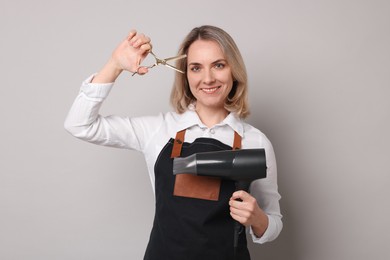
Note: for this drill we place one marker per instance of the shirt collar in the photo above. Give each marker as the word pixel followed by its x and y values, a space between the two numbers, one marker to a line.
pixel 190 118
pixel 234 122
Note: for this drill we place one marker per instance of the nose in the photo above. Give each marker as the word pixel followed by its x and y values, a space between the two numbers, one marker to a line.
pixel 208 77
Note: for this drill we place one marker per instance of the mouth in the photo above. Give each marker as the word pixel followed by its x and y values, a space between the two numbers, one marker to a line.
pixel 210 90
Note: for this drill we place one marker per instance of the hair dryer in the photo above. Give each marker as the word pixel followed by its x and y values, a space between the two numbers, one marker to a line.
pixel 242 166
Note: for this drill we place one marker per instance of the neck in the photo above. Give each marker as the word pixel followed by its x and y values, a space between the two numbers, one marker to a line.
pixel 210 117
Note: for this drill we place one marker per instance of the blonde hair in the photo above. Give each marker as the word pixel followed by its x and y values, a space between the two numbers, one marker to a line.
pixel 237 100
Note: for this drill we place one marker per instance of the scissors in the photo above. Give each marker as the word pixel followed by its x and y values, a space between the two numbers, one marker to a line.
pixel 164 62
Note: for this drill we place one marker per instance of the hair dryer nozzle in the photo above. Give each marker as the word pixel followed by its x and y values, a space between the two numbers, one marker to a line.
pixel 185 165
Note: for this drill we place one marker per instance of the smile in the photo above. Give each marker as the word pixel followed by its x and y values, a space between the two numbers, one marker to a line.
pixel 210 90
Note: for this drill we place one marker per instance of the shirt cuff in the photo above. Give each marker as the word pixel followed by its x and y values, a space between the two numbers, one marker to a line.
pixel 95 91
pixel 268 234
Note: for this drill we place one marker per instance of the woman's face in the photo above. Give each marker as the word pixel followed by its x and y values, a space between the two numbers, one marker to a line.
pixel 209 75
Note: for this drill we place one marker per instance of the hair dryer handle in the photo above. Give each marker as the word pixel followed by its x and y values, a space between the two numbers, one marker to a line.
pixel 243 185
pixel 238 227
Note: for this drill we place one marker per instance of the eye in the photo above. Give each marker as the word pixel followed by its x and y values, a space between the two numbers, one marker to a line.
pixel 195 68
pixel 219 65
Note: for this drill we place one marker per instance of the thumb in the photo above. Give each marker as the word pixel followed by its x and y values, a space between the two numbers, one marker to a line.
pixel 142 70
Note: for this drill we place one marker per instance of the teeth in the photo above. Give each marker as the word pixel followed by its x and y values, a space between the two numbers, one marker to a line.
pixel 210 90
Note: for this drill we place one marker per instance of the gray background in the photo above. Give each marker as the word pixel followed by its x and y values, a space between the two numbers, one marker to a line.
pixel 319 74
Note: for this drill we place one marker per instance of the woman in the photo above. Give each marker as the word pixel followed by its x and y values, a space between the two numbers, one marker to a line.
pixel 194 215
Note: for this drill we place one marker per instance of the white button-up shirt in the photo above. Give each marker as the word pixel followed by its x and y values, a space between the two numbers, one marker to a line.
pixel 149 134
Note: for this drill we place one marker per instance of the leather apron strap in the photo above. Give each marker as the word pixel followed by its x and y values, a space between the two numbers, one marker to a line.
pixel 237 141
pixel 178 143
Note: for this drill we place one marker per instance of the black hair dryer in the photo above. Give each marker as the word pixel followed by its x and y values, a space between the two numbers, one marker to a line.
pixel 242 166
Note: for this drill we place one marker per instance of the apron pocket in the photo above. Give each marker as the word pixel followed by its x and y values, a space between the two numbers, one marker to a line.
pixel 198 187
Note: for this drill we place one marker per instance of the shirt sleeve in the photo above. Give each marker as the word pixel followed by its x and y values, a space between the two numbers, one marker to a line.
pixel 266 193
pixel 84 121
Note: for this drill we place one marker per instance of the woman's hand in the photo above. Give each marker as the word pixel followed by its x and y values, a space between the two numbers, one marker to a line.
pixel 245 209
pixel 131 52
pixel 127 56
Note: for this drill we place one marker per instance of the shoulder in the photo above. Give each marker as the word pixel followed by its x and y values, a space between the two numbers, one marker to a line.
pixel 253 137
pixel 160 118
pixel 164 123
pixel 170 118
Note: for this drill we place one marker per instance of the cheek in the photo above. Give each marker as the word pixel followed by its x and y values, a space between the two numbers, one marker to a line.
pixel 229 82
pixel 193 82
pixel 191 86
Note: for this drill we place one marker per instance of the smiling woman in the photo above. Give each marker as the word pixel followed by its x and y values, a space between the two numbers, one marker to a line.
pixel 210 80
pixel 210 99
pixel 226 54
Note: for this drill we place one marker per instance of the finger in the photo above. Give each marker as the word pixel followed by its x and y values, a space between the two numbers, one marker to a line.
pixel 133 37
pixel 243 195
pixel 235 210
pixel 131 34
pixel 237 217
pixel 243 201
pixel 239 213
pixel 238 205
pixel 242 208
pixel 139 40
pixel 146 47
pixel 234 203
pixel 142 70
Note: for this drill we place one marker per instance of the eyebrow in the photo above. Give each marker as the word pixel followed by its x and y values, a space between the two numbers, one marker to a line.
pixel 214 62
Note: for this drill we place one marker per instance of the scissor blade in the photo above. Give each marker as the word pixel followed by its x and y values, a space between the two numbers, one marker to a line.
pixel 174 68
pixel 176 57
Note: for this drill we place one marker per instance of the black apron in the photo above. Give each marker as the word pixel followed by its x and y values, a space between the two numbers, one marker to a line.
pixel 187 227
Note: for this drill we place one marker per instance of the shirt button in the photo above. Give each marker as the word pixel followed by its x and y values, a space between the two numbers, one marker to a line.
pixel 212 131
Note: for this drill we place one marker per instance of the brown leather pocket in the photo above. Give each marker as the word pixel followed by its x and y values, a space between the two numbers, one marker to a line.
pixel 199 187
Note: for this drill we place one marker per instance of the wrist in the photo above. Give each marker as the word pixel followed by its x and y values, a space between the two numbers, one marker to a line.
pixel 108 74
pixel 260 226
